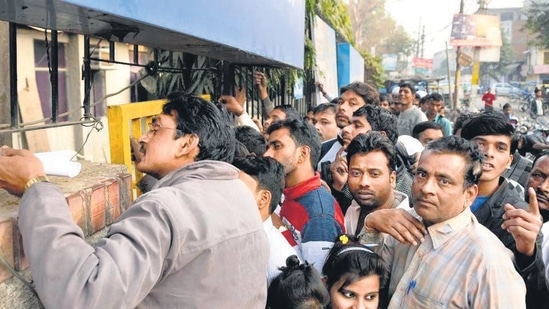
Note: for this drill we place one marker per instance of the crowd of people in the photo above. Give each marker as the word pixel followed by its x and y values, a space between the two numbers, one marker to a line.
pixel 369 201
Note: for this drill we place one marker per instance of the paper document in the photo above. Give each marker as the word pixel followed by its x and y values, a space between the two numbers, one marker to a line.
pixel 58 163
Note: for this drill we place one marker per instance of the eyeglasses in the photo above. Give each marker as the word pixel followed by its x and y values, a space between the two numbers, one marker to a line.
pixel 154 127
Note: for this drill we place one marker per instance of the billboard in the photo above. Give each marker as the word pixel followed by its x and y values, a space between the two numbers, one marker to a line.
pixel 389 62
pixel 422 63
pixel 475 30
pixel 324 40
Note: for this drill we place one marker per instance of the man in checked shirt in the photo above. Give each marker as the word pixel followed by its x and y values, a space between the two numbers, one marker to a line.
pixel 455 261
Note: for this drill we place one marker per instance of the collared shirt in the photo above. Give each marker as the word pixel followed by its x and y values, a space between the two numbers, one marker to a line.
pixel 280 250
pixel 461 264
pixel 445 123
pixel 353 212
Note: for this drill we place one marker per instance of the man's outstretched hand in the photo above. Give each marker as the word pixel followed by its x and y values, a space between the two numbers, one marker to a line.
pixel 17 167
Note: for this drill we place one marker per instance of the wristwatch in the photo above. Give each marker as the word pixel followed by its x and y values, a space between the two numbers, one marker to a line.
pixel 37 179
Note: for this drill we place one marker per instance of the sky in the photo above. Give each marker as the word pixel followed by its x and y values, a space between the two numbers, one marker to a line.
pixel 436 16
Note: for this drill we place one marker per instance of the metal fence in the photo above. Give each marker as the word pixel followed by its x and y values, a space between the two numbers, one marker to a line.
pixel 281 88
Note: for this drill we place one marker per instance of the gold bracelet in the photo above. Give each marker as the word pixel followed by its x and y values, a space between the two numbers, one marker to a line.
pixel 34 180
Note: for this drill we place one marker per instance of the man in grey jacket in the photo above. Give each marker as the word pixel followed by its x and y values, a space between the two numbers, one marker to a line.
pixel 195 241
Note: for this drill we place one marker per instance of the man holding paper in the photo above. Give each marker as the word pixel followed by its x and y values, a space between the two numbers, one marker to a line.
pixel 174 247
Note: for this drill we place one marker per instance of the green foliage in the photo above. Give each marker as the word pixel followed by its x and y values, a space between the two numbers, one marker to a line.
pixel 335 13
pixel 538 23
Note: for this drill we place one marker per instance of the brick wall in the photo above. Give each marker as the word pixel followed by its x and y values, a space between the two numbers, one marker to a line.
pixel 96 198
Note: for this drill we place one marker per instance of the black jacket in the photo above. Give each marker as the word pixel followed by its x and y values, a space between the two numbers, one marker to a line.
pixel 490 214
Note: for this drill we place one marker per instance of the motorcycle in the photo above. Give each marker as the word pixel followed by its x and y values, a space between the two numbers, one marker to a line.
pixel 529 101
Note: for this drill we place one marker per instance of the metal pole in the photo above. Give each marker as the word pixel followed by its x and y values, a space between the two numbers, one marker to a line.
pixel 87 77
pixel 14 110
pixel 458 66
pixel 449 74
pixel 54 77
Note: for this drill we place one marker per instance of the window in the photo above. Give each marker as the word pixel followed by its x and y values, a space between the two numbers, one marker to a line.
pixel 545 57
pixel 42 65
pixel 138 92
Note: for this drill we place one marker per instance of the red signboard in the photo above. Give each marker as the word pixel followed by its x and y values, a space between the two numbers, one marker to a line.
pixel 422 63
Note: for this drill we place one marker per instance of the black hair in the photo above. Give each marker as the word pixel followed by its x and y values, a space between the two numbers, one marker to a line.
pixel 303 134
pixel 425 125
pixel 491 123
pixel 350 260
pixel 380 120
pixel 268 172
pixel 461 120
pixel 506 105
pixel 467 149
pixel 372 141
pixel 384 97
pixel 435 96
pixel 252 139
pixel 369 94
pixel 240 150
pixel 325 107
pixel 298 286
pixel 202 118
pixel 290 111
pixel 409 86
pixel 425 99
pixel 542 153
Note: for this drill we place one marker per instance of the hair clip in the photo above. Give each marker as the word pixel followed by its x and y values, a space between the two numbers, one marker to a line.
pixel 347 249
pixel 344 239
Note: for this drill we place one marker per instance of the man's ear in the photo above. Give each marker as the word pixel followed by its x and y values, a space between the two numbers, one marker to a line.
pixel 392 179
pixel 265 198
pixel 470 195
pixel 509 161
pixel 304 154
pixel 189 145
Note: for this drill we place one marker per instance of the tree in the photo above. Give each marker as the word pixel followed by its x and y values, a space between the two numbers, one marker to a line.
pixel 538 23
pixel 377 33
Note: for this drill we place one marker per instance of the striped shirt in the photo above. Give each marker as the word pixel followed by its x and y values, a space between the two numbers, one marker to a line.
pixel 461 264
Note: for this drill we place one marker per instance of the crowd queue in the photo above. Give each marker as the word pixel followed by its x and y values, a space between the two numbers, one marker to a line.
pixel 367 202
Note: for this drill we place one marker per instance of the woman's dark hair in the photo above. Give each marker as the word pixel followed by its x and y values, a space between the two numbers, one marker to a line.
pixel 299 286
pixel 351 260
pixel 197 116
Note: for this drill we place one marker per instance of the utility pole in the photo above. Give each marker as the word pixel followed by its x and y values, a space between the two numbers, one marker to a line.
pixel 458 66
pixel 476 54
pixel 422 41
pixel 418 45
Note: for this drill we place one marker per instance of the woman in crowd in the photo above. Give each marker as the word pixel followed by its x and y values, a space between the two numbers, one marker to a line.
pixel 354 275
pixel 299 286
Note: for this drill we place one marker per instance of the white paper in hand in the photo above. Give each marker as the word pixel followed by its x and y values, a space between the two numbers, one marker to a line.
pixel 58 163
